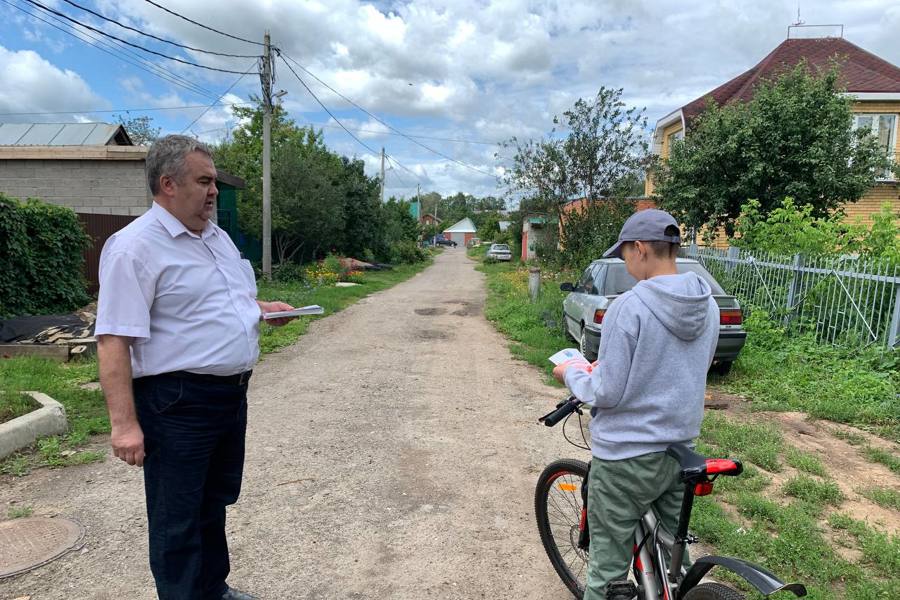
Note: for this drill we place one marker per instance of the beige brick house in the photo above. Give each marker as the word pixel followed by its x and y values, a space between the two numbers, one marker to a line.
pixel 872 82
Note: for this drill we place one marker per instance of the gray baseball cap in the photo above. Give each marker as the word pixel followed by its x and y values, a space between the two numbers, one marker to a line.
pixel 649 225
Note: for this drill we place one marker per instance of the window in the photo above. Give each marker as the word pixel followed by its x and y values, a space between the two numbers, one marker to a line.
pixel 586 283
pixel 884 130
pixel 672 138
pixel 619 281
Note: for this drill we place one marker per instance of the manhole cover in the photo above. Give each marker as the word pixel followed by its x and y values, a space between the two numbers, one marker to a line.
pixel 32 542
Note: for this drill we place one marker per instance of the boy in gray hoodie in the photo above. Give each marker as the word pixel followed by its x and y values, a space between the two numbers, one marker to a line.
pixel 646 391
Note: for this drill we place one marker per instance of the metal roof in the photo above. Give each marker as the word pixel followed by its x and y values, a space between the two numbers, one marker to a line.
pixel 63 134
pixel 463 226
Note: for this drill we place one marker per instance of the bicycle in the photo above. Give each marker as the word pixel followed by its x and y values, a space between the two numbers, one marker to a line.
pixel 560 502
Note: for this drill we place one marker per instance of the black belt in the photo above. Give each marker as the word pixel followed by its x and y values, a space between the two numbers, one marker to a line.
pixel 238 379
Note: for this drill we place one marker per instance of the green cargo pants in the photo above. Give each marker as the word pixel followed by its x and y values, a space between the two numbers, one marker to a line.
pixel 619 493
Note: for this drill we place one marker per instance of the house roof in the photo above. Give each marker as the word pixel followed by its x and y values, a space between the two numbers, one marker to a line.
pixel 464 226
pixel 63 134
pixel 861 71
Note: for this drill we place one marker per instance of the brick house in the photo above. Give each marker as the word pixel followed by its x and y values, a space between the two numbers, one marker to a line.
pixel 873 83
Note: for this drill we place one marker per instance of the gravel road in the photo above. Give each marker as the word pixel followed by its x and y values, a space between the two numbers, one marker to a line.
pixel 392 453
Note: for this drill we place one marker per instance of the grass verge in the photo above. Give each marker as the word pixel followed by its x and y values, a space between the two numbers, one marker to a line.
pixel 781 370
pixel 86 408
pixel 535 329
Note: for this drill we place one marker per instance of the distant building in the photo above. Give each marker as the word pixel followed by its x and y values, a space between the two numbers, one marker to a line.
pixel 504 225
pixel 461 232
pixel 430 219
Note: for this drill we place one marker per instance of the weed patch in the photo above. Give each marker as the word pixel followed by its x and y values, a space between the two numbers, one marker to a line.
pixel 761 444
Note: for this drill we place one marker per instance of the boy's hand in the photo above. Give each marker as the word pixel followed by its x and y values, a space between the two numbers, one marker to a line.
pixel 559 371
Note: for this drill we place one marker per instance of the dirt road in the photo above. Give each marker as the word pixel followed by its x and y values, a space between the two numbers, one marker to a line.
pixel 391 453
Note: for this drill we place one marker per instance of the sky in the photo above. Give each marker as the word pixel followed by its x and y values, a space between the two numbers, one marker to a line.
pixel 464 74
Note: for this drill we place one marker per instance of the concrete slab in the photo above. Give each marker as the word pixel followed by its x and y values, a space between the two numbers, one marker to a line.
pixel 23 431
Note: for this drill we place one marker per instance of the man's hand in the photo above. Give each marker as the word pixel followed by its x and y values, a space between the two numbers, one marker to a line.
pixel 128 443
pixel 267 307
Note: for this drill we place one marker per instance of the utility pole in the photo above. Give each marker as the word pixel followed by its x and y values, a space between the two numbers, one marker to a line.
pixel 382 174
pixel 266 78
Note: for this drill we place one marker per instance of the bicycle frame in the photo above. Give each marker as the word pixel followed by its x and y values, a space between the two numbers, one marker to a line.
pixel 659 577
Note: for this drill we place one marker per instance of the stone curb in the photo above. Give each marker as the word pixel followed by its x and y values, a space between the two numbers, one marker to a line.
pixel 23 431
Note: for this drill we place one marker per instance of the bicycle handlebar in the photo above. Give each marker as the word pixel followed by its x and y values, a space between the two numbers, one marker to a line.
pixel 563 410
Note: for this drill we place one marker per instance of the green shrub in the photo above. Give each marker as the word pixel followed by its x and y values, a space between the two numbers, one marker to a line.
pixel 289 272
pixel 407 252
pixel 41 258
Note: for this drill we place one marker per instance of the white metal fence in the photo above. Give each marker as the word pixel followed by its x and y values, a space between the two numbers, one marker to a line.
pixel 847 301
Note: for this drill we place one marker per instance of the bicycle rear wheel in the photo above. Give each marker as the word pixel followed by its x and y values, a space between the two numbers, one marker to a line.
pixel 560 513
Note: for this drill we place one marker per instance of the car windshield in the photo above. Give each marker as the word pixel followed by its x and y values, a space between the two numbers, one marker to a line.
pixel 618 281
pixel 501 247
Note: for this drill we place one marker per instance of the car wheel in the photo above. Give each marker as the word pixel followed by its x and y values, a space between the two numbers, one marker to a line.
pixel 723 368
pixel 582 345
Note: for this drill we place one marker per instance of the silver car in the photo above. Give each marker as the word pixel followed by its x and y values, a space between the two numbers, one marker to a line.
pixel 605 279
pixel 499 252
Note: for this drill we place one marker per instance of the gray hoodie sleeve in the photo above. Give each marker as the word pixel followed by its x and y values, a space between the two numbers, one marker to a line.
pixel 604 387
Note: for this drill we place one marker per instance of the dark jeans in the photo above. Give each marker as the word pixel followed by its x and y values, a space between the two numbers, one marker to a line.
pixel 194 443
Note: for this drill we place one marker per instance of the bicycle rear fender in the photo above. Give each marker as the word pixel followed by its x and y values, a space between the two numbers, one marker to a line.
pixel 764 581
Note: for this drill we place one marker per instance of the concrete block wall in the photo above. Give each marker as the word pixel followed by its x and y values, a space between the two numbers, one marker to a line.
pixel 109 187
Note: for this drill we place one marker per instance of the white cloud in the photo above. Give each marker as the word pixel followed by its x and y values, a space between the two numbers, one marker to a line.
pixel 30 83
pixel 482 69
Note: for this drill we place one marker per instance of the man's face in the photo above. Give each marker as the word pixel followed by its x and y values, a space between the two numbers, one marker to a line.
pixel 195 192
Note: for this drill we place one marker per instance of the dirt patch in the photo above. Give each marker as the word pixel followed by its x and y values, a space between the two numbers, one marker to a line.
pixel 844 463
pixel 430 312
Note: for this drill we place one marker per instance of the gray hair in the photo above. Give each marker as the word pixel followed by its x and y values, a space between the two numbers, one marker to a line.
pixel 167 156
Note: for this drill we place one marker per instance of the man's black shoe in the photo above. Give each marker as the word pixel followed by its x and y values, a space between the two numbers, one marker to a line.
pixel 233 594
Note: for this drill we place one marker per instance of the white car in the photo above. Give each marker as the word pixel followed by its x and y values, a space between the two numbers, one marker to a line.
pixel 603 281
pixel 499 252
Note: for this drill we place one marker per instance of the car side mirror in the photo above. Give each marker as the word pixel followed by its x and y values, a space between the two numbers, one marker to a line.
pixel 567 287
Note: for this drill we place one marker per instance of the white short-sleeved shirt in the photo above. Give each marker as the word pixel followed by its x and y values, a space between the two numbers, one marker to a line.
pixel 189 301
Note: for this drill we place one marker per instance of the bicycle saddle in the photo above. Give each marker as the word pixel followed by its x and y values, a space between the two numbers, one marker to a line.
pixel 696 467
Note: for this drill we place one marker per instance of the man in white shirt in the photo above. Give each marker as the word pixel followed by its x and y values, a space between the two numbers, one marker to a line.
pixel 178 335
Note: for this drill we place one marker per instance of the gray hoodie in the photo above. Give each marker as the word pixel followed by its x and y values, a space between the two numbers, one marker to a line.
pixel 648 389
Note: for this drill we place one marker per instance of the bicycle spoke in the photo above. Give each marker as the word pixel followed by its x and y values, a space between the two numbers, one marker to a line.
pixel 563 514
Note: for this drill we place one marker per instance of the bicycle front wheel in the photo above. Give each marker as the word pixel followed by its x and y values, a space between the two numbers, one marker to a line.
pixel 560 517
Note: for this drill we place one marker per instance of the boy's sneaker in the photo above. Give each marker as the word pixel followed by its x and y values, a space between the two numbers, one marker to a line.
pixel 620 590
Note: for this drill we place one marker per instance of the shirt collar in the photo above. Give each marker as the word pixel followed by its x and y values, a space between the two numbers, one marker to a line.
pixel 176 227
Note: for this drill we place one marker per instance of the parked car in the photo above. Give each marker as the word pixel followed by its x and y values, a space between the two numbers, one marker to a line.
pixel 605 279
pixel 499 252
pixel 440 241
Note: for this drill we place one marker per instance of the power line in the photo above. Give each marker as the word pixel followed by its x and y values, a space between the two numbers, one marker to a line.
pixel 150 35
pixel 396 174
pixel 382 121
pixel 118 110
pixel 139 47
pixel 336 120
pixel 225 93
pixel 172 12
pixel 153 69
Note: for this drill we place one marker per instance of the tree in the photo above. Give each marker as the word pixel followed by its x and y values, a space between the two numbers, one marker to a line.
pixel 604 150
pixel 792 139
pixel 139 129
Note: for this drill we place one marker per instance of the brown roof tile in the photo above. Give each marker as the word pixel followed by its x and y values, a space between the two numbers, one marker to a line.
pixel 861 71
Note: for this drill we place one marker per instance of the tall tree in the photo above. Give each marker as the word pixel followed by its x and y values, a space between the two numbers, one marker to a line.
pixel 794 138
pixel 600 147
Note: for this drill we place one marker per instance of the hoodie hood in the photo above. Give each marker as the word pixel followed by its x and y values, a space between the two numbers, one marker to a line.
pixel 680 302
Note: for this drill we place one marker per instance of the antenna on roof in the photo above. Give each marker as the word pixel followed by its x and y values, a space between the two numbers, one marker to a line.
pixel 801 23
pixel 799 20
